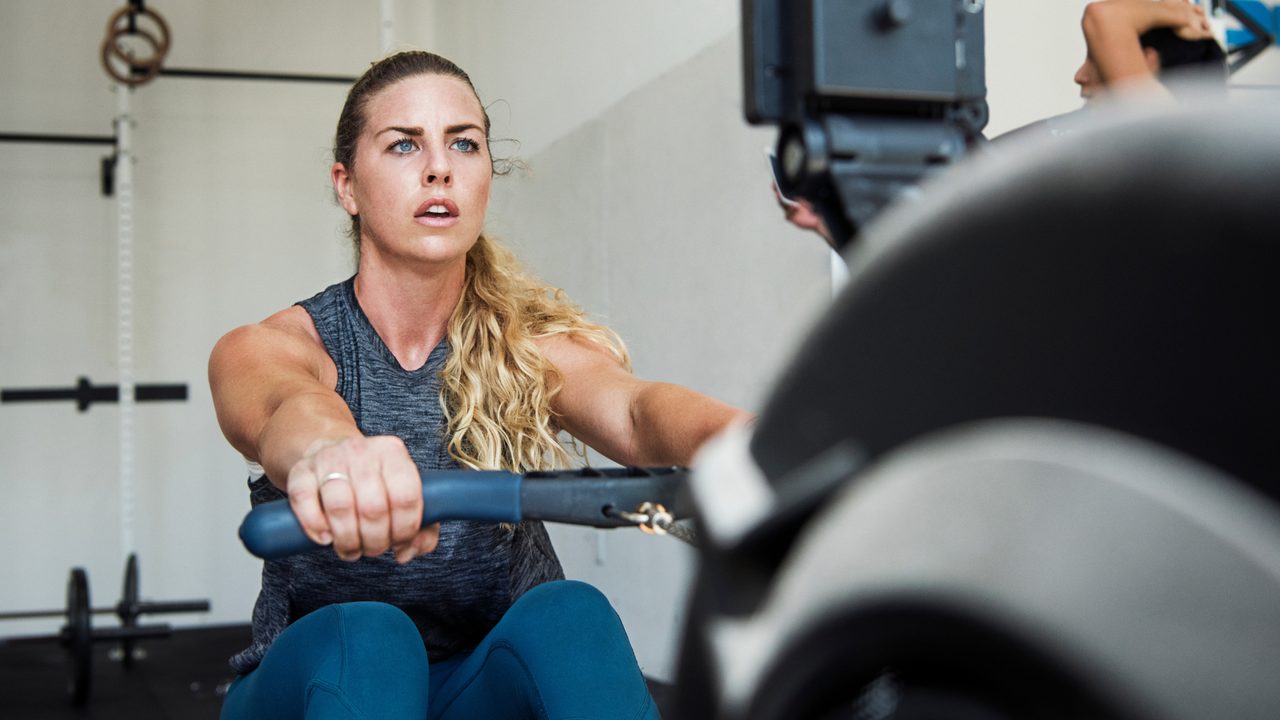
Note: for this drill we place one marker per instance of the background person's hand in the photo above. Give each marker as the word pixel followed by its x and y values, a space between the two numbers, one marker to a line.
pixel 800 213
pixel 1194 26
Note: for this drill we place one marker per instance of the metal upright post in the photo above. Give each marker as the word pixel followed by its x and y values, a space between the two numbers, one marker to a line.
pixel 388 25
pixel 124 312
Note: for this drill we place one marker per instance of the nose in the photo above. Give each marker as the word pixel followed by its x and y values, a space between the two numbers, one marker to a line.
pixel 437 169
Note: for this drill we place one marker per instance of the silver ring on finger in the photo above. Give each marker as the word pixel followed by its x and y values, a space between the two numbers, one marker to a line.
pixel 332 476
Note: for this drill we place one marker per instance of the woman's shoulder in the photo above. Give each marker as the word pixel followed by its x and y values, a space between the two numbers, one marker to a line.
pixel 295 320
pixel 286 339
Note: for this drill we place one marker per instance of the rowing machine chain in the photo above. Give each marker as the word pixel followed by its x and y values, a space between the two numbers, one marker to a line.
pixel 654 519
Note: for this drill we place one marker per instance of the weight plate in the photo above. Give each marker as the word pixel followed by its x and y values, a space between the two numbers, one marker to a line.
pixel 127 610
pixel 79 634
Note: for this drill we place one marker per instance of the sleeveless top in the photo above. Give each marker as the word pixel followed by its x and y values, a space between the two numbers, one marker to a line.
pixel 455 594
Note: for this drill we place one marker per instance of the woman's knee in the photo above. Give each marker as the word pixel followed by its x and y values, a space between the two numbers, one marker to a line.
pixel 565 611
pixel 374 621
pixel 565 598
pixel 364 655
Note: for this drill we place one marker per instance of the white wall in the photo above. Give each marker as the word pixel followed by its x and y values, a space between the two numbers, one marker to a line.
pixel 647 199
pixel 1034 48
pixel 658 217
pixel 233 221
pixel 555 65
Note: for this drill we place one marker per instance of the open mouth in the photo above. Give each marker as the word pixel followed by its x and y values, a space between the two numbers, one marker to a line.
pixel 437 209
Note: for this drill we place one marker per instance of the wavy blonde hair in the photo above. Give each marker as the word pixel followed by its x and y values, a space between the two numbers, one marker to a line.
pixel 496 385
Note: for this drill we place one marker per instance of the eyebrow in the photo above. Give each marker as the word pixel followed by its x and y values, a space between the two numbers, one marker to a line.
pixel 418 132
pixel 455 129
pixel 411 131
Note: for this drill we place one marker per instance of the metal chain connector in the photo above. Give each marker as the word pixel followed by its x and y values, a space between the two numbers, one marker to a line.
pixel 654 519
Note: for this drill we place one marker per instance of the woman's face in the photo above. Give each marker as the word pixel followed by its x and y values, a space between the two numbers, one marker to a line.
pixel 422 173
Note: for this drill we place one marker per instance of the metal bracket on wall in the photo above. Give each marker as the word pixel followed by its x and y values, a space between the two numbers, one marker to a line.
pixel 86 393
pixel 108 161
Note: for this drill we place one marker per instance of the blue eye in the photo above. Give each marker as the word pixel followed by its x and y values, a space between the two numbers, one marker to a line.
pixel 403 146
pixel 465 145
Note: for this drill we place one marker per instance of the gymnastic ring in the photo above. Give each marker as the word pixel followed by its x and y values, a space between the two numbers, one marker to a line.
pixel 161 45
pixel 148 71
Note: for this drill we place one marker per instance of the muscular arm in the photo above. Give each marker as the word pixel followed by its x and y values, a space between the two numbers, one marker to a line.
pixel 273 390
pixel 626 419
pixel 1112 28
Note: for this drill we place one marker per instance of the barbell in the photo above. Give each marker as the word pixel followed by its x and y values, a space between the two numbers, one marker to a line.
pixel 78 634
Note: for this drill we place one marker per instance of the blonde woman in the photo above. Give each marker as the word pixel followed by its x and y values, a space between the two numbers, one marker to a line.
pixel 440 353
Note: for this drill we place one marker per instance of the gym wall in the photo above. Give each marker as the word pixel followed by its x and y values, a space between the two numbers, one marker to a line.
pixel 647 198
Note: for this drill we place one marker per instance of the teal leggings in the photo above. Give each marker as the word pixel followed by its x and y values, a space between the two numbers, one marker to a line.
pixel 560 652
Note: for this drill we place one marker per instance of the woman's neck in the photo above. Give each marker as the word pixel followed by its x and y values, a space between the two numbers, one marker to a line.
pixel 409 307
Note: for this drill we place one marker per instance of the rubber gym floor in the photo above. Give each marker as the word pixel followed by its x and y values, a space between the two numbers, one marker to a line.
pixel 181 678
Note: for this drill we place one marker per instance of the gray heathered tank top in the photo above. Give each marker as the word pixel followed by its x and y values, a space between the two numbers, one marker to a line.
pixel 454 595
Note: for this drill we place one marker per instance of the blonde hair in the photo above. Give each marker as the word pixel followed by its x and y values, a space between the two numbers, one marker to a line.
pixel 496 385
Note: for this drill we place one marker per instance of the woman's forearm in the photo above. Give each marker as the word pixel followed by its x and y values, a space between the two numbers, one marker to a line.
pixel 672 422
pixel 301 424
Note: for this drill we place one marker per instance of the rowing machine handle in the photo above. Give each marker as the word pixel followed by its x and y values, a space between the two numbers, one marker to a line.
pixel 270 531
pixel 580 497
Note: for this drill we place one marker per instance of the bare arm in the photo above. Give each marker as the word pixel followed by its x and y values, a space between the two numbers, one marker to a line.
pixel 1112 28
pixel 273 390
pixel 626 419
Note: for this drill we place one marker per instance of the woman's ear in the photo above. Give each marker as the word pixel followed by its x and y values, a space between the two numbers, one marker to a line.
pixel 1153 60
pixel 342 181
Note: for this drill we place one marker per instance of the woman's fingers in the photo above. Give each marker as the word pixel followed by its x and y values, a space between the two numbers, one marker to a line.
pixel 338 498
pixel 362 494
pixel 304 498
pixel 422 543
pixel 374 525
pixel 403 491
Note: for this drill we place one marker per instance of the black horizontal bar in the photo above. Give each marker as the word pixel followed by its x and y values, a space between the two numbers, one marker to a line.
pixel 137 632
pixel 183 606
pixel 58 139
pixel 86 393
pixel 143 393
pixel 30 614
pixel 246 75
pixel 30 640
pixel 110 393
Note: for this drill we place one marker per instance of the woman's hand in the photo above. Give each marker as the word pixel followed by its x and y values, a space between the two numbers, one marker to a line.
pixel 364 495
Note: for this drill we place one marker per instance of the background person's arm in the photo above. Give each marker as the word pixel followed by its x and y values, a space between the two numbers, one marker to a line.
pixel 1112 29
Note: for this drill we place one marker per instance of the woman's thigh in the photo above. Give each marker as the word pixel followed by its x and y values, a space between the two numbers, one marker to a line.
pixel 559 652
pixel 356 660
